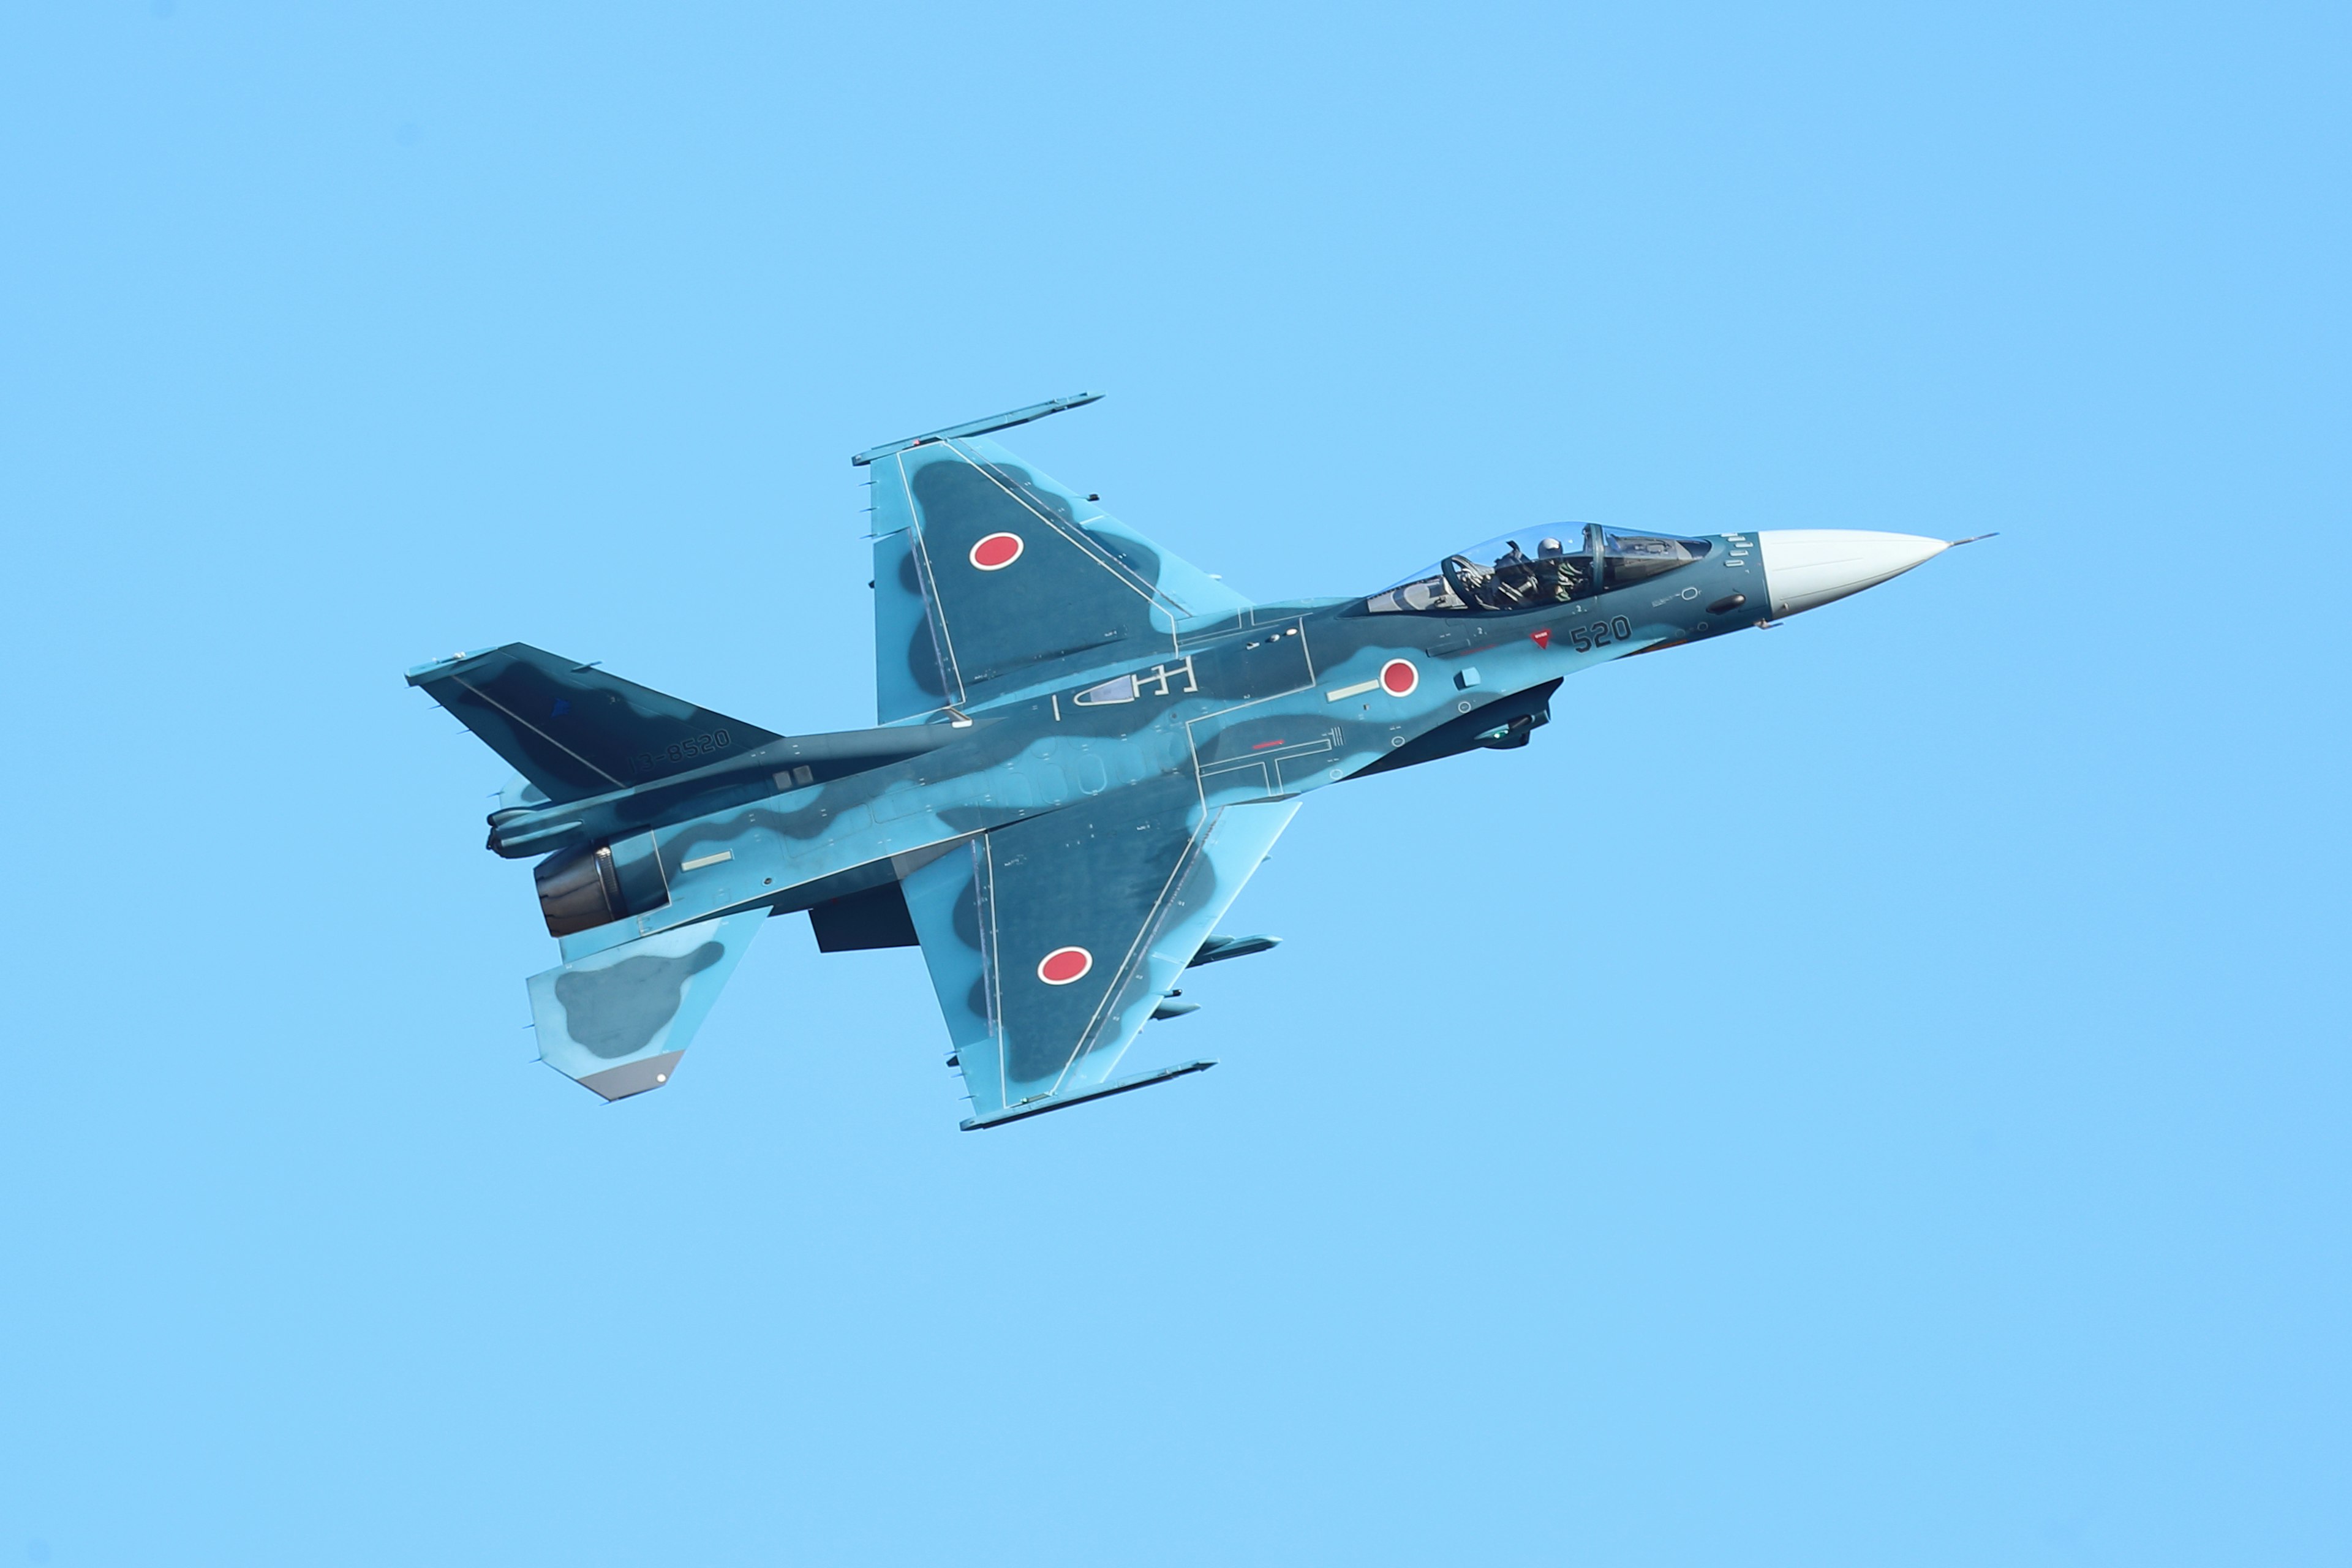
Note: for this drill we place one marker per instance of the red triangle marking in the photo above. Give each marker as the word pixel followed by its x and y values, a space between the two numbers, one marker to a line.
pixel 1542 638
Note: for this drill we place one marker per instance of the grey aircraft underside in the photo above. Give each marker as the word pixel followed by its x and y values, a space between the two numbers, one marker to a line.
pixel 1085 748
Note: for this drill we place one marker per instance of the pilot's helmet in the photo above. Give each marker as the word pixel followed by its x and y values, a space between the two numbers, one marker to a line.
pixel 1549 550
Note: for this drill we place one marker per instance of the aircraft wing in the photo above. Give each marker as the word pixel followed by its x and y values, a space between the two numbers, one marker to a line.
pixel 990 577
pixel 1050 942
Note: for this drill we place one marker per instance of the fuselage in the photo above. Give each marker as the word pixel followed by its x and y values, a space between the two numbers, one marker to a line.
pixel 1278 701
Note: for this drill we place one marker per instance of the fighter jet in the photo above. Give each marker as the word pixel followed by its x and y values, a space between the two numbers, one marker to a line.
pixel 1084 748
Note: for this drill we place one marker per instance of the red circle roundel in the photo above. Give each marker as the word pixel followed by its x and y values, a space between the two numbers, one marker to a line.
pixel 996 551
pixel 1398 678
pixel 1064 964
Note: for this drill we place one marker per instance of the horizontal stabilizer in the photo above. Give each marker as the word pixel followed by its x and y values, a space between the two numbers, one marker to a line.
pixel 618 1020
pixel 573 730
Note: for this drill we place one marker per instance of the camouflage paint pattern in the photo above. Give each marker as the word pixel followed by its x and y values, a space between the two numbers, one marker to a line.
pixel 1088 745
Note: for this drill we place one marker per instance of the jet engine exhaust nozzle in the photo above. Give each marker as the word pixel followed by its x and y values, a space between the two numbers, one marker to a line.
pixel 1805 568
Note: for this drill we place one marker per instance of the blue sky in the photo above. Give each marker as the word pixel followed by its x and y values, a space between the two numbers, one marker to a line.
pixel 1870 1091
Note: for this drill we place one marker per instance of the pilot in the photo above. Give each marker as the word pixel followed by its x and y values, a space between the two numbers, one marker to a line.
pixel 1556 575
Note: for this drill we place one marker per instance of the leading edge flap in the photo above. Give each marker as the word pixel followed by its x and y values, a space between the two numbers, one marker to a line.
pixel 617 1021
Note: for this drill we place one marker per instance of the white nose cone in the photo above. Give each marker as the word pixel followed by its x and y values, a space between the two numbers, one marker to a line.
pixel 1805 567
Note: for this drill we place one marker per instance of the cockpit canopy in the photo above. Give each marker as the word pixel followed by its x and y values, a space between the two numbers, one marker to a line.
pixel 1549 568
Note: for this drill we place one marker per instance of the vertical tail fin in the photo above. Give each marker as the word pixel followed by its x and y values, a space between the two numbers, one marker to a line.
pixel 573 730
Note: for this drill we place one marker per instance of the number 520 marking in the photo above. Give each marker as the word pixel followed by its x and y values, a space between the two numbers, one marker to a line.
pixel 1600 633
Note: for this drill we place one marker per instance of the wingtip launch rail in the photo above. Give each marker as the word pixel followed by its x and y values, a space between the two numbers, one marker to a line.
pixel 1043 1103
pixel 978 426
